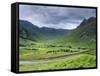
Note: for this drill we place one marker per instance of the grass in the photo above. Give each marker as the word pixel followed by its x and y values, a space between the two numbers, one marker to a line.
pixel 58 56
pixel 81 61
pixel 78 61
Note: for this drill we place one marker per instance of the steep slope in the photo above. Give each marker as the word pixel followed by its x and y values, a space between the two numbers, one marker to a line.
pixel 27 30
pixel 30 31
pixel 84 34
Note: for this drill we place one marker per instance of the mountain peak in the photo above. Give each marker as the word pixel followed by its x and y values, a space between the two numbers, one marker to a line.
pixel 83 22
pixel 91 19
pixel 86 21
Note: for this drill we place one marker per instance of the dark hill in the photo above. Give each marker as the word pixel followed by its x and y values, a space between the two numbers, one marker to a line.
pixel 85 33
pixel 30 31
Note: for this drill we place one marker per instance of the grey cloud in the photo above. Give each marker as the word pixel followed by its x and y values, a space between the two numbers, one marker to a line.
pixel 54 16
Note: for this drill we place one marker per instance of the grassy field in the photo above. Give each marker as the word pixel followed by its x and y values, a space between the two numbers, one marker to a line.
pixel 48 55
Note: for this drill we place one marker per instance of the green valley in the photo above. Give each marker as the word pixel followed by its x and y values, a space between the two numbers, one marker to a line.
pixel 49 49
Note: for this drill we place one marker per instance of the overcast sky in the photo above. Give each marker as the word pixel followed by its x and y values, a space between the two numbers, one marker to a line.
pixel 55 17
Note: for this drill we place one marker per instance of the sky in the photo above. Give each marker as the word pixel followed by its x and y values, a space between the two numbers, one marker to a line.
pixel 55 17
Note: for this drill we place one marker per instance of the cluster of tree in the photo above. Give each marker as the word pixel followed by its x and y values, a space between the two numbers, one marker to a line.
pixel 61 50
pixel 31 49
pixel 82 48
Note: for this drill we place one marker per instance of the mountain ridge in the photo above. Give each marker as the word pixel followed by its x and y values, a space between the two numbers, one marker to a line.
pixel 33 32
pixel 85 33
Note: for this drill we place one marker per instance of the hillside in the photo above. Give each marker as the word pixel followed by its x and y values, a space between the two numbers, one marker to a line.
pixel 85 33
pixel 30 31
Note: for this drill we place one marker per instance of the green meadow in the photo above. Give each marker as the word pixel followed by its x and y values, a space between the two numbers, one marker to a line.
pixel 52 49
pixel 51 56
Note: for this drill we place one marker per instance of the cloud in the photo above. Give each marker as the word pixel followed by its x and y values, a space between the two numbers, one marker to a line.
pixel 55 17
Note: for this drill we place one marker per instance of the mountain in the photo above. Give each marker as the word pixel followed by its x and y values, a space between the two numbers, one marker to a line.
pixel 27 30
pixel 52 33
pixel 85 33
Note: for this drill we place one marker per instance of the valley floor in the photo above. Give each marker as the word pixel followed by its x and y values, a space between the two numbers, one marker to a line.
pixel 40 56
